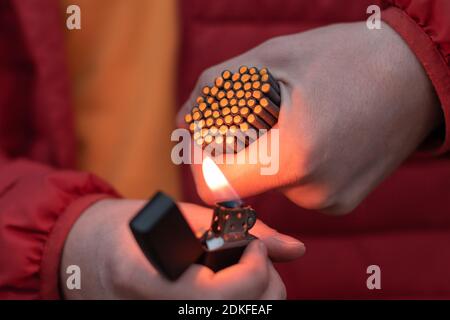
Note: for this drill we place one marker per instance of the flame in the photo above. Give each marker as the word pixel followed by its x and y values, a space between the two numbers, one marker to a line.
pixel 217 182
pixel 213 176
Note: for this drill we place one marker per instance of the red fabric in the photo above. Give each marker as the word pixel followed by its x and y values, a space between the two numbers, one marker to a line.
pixel 38 206
pixel 425 26
pixel 39 198
pixel 404 225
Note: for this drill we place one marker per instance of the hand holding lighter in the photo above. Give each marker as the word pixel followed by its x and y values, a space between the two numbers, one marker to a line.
pixel 169 243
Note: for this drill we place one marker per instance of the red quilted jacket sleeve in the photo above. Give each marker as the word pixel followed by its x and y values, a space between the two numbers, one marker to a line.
pixel 39 199
pixel 425 26
pixel 38 206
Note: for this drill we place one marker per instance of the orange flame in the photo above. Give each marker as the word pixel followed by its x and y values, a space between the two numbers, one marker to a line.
pixel 217 182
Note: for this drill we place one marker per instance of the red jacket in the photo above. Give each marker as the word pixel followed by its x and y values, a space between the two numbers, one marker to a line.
pixel 40 198
pixel 404 226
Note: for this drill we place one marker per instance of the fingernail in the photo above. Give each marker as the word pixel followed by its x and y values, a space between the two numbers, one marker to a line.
pixel 288 240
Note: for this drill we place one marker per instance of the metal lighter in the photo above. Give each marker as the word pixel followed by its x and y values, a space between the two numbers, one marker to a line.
pixel 169 243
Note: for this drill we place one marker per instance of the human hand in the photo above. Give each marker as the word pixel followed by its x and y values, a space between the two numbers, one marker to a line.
pixel 113 266
pixel 355 104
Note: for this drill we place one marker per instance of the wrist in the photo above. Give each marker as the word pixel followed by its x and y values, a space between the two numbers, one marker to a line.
pixel 421 42
pixel 404 81
pixel 53 250
pixel 415 77
pixel 93 244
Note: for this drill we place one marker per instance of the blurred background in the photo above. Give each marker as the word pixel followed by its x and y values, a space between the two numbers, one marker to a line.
pixel 134 63
pixel 123 69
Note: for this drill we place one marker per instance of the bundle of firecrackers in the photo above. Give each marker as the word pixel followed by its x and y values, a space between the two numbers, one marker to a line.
pixel 235 110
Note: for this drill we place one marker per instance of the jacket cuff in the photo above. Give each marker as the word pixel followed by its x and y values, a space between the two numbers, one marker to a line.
pixel 52 254
pixel 432 61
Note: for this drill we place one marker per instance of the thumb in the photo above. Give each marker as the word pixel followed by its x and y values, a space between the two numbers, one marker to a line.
pixel 280 247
